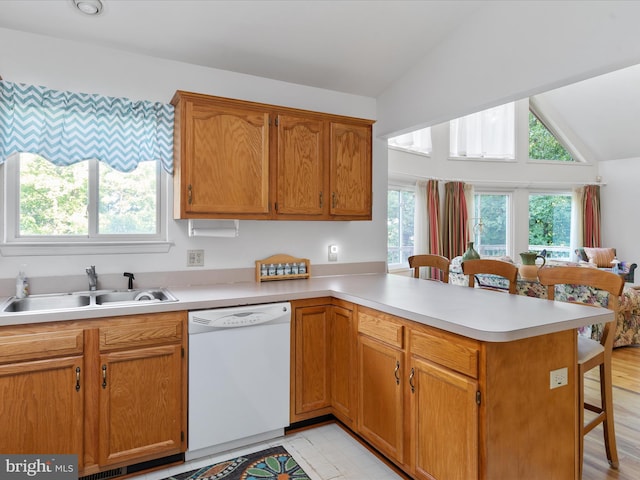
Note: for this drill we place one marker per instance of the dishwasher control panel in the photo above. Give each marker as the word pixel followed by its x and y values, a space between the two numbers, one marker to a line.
pixel 234 317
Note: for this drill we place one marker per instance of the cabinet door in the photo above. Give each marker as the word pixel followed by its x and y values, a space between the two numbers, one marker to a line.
pixel 300 179
pixel 343 368
pixel 380 384
pixel 444 422
pixel 350 174
pixel 312 394
pixel 41 410
pixel 225 164
pixel 140 404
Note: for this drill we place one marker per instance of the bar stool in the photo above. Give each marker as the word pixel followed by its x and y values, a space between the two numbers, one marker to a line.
pixel 429 260
pixel 492 267
pixel 592 353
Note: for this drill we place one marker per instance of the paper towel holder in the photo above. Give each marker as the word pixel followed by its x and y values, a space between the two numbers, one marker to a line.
pixel 214 232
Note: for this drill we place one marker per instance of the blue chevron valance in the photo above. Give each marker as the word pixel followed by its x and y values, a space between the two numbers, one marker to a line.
pixel 67 127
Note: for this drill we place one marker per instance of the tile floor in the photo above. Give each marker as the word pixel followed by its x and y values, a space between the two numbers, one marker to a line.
pixel 325 453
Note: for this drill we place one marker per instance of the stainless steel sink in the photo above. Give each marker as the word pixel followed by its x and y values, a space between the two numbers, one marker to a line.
pixel 47 302
pixel 157 295
pixel 62 301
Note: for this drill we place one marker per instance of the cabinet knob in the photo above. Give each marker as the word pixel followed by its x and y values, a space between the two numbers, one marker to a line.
pixel 396 373
pixel 77 379
pixel 189 195
pixel 104 376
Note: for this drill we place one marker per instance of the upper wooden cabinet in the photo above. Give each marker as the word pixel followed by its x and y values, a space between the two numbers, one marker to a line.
pixel 221 159
pixel 245 160
pixel 350 179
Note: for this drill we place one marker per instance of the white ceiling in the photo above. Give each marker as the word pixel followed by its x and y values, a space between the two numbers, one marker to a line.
pixel 359 47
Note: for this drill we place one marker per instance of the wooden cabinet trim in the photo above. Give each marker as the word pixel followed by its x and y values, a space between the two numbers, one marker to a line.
pixel 444 350
pixel 381 326
pixel 29 344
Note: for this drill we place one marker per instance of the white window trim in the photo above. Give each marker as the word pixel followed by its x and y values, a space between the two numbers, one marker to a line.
pixel 13 245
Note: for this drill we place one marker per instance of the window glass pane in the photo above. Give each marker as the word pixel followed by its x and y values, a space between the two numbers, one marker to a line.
pixel 417 141
pixel 53 200
pixel 543 145
pixel 490 224
pixel 393 226
pixel 400 213
pixel 406 225
pixel 550 224
pixel 486 134
pixel 128 201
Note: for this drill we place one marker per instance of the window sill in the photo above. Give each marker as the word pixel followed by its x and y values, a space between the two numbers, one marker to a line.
pixel 85 248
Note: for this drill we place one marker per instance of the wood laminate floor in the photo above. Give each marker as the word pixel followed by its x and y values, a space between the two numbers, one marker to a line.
pixel 626 399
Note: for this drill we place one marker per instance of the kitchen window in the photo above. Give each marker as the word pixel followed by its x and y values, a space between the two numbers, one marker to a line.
pixel 85 204
pixel 83 173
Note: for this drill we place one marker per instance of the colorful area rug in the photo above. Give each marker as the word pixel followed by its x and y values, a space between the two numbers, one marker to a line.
pixel 271 464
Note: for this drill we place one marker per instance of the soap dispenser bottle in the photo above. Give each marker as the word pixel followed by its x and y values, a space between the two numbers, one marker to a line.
pixel 22 284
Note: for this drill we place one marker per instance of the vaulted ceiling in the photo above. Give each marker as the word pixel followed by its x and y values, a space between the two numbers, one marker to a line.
pixel 356 47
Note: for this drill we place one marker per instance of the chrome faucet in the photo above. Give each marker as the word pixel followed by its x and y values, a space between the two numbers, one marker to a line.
pixel 93 277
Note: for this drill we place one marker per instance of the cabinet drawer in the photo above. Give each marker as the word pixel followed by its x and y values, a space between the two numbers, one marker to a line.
pixel 141 330
pixel 380 326
pixel 30 344
pixel 446 350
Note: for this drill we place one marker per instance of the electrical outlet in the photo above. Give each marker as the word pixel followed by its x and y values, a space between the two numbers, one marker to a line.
pixel 195 258
pixel 558 378
pixel 333 253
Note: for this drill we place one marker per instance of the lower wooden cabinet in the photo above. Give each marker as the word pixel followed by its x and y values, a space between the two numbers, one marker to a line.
pixel 381 382
pixel 322 360
pixel 443 422
pixel 41 408
pixel 436 404
pixel 112 391
pixel 311 387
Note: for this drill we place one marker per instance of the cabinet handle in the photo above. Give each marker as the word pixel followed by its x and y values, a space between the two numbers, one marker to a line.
pixel 77 379
pixel 321 199
pixel 189 195
pixel 334 200
pixel 396 374
pixel 411 375
pixel 104 376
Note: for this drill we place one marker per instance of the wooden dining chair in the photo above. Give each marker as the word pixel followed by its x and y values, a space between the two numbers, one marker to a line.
pixel 592 353
pixel 493 267
pixel 429 260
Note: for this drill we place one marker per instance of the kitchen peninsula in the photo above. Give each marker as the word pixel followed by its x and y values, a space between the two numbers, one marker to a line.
pixel 445 381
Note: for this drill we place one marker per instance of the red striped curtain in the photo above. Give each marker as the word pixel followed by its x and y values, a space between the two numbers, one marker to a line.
pixel 591 219
pixel 455 230
pixel 433 212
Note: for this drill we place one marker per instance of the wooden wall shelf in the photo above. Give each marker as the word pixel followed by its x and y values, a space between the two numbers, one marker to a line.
pixel 279 262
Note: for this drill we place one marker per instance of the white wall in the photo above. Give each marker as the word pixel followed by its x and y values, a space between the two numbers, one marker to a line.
pixel 65 65
pixel 619 200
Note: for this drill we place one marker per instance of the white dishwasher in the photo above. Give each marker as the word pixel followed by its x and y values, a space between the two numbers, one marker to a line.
pixel 239 373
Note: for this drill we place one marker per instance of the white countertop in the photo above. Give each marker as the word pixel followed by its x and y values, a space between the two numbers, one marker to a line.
pixel 475 313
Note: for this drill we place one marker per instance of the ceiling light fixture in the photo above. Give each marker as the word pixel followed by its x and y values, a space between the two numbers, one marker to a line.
pixel 89 7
